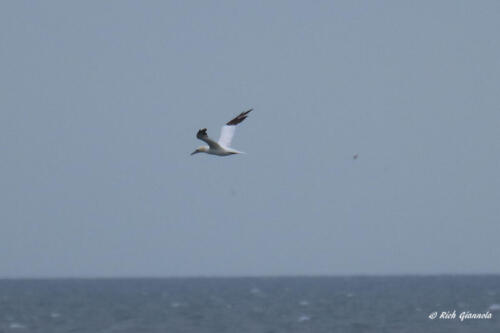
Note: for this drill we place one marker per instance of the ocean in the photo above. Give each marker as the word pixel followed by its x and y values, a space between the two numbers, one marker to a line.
pixel 267 305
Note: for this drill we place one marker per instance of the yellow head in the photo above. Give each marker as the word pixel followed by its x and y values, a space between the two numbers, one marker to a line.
pixel 202 149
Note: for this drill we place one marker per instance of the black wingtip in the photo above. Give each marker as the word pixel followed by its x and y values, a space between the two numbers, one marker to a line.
pixel 201 132
pixel 238 119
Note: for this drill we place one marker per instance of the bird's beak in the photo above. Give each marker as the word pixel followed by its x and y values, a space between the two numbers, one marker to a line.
pixel 194 152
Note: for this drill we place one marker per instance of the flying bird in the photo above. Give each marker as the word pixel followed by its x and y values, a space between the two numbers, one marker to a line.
pixel 221 147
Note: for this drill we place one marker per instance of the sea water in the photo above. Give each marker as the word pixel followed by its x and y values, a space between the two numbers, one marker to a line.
pixel 279 304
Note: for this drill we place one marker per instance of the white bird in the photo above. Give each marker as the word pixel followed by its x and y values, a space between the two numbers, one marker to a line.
pixel 221 147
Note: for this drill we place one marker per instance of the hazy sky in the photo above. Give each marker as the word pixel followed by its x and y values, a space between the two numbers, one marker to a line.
pixel 100 102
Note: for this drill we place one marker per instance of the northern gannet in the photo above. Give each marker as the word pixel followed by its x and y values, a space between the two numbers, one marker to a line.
pixel 221 147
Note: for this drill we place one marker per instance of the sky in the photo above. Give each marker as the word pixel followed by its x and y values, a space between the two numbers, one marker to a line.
pixel 100 102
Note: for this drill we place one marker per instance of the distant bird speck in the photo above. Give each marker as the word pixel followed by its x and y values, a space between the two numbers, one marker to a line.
pixel 355 157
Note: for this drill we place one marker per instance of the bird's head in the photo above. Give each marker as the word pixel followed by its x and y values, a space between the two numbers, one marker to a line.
pixel 202 149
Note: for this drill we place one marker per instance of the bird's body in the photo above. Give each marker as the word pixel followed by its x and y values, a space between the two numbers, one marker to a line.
pixel 221 147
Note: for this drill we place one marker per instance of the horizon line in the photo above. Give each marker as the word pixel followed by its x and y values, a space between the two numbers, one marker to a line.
pixel 256 276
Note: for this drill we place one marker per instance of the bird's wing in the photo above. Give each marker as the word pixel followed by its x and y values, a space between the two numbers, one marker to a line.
pixel 227 131
pixel 202 135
